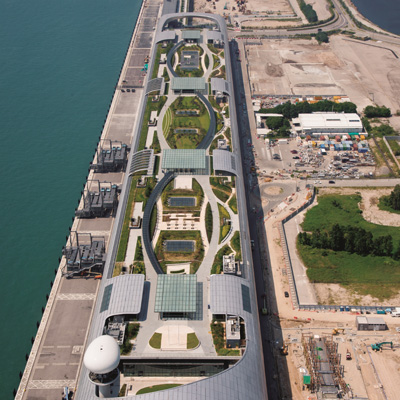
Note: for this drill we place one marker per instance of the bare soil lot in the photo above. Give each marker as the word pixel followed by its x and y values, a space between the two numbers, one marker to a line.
pixel 321 8
pixel 302 67
pixel 276 7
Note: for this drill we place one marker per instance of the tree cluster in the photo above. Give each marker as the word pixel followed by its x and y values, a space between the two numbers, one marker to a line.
pixel 275 123
pixel 351 239
pixel 322 37
pixel 289 110
pixel 308 11
pixel 393 200
pixel 377 112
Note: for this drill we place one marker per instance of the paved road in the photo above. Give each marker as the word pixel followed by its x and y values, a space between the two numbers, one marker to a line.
pixel 243 124
pixel 341 21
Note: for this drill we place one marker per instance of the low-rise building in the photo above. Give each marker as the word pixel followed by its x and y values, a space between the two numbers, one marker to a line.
pixel 370 324
pixel 317 124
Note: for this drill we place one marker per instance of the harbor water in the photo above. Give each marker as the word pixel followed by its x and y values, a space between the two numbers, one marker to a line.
pixel 384 13
pixel 59 63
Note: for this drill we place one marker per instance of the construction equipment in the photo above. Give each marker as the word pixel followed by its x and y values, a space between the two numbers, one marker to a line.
pixel 348 355
pixel 336 331
pixel 284 349
pixel 378 346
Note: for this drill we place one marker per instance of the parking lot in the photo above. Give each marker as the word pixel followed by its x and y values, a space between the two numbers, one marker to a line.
pixel 301 158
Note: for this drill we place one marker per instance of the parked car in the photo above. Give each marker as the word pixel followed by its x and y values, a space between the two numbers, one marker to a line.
pixel 286 294
pixel 293 151
pixel 331 181
pixel 296 158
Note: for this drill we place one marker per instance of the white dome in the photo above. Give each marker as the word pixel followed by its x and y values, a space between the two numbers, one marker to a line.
pixel 102 355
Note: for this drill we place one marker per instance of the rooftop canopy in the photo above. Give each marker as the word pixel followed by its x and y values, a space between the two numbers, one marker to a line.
pixel 191 34
pixel 188 83
pixel 183 159
pixel 176 294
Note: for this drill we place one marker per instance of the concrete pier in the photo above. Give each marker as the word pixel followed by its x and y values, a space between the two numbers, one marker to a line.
pixel 56 355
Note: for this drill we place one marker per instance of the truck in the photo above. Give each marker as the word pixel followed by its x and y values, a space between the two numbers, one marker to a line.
pixel 283 141
pixel 396 312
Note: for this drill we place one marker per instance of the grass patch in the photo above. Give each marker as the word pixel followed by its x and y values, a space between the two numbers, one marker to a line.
pixel 224 227
pixel 155 341
pixel 213 49
pixel 214 143
pixel 123 241
pixel 382 205
pixel 153 221
pixel 196 192
pixel 156 144
pixel 209 222
pixel 221 188
pixel 150 106
pixel 175 257
pixel 173 121
pixel 206 61
pixel 235 244
pixel 143 194
pixel 216 61
pixel 118 268
pixel 214 103
pixel 138 268
pixel 122 392
pixel 343 210
pixel 218 334
pixel 131 332
pixel 157 388
pixel 377 276
pixel 233 204
pixel 217 264
pixel 192 341
pixel 139 250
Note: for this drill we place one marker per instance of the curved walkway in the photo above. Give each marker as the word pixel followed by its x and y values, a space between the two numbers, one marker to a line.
pixel 155 194
pixel 172 54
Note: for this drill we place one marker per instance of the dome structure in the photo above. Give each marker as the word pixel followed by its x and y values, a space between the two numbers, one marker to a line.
pixel 102 355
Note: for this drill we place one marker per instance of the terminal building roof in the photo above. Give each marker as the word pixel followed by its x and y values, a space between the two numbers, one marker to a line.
pixel 224 160
pixel 178 83
pixel 183 159
pixel 219 85
pixel 122 295
pixel 176 293
pixel 229 295
pixel 190 34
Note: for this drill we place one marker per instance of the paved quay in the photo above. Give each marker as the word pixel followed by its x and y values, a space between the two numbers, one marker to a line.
pixel 56 355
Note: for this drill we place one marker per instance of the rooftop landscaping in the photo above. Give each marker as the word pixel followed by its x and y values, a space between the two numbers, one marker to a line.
pixel 185 131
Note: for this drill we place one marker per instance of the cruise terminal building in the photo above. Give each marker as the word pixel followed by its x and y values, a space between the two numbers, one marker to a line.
pixel 230 297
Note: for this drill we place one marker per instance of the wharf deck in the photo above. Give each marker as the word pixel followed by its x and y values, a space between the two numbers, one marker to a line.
pixel 57 352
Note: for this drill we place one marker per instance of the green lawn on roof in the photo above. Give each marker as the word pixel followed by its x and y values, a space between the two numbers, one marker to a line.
pixel 157 388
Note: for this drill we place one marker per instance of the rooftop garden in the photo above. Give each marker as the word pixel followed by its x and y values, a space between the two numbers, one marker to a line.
pixel 185 131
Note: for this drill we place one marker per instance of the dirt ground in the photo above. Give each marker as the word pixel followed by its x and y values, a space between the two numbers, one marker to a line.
pixel 276 7
pixel 321 8
pixel 264 23
pixel 366 380
pixel 341 67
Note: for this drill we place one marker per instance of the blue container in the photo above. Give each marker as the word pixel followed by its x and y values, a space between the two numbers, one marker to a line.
pixel 347 308
pixel 341 308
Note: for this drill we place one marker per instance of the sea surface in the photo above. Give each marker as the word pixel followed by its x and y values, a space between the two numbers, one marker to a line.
pixel 59 63
pixel 384 13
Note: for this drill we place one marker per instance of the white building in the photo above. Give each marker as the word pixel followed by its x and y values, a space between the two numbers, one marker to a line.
pixel 327 123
